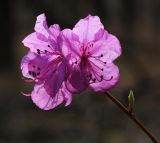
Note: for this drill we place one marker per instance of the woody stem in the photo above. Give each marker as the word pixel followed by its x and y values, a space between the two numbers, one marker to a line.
pixel 132 117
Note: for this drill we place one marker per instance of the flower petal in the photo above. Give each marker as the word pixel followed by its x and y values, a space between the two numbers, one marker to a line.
pixel 110 79
pixel 76 81
pixel 55 31
pixel 109 48
pixel 55 79
pixel 44 100
pixel 41 27
pixel 69 43
pixel 32 64
pixel 101 34
pixel 34 43
pixel 44 38
pixel 87 28
pixel 66 94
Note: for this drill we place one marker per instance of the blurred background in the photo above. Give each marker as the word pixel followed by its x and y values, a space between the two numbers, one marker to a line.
pixel 91 118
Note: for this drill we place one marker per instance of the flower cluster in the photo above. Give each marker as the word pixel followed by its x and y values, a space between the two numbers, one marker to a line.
pixel 63 62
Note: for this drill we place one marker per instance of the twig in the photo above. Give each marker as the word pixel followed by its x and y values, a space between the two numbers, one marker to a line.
pixel 132 116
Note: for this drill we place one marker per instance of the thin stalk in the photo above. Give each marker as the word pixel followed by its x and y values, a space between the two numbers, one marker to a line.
pixel 132 116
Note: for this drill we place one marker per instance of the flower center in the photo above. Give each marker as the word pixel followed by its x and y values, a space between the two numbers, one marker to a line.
pixel 84 60
pixel 93 65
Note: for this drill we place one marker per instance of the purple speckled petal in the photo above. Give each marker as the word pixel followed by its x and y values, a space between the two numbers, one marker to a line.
pixel 44 38
pixel 33 64
pixel 46 65
pixel 34 43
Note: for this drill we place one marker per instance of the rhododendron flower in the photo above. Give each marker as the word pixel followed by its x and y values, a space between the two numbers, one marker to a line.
pixel 69 61
pixel 46 65
pixel 92 52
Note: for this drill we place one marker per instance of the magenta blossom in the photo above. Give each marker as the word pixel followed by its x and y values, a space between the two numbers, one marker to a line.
pixel 46 65
pixel 92 52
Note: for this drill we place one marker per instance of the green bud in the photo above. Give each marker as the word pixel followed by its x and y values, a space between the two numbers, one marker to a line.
pixel 131 101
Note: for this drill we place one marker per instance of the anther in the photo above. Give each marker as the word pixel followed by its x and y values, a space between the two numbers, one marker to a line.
pixel 38 73
pixel 34 66
pixel 38 51
pixel 101 55
pixel 30 72
pixel 48 45
pixel 102 69
pixel 45 51
pixel 94 80
pixel 33 74
pixel 101 76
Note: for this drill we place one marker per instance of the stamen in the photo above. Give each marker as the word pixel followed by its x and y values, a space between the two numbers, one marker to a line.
pixel 33 74
pixel 38 73
pixel 28 80
pixel 25 94
pixel 29 72
pixel 95 73
pixel 98 58
pixel 94 80
pixel 93 64
pixel 89 76
pixel 76 61
pixel 41 52
pixel 109 79
pixel 90 45
pixel 38 51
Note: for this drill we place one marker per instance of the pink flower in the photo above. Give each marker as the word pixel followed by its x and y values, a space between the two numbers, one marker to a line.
pixel 69 61
pixel 46 65
pixel 92 52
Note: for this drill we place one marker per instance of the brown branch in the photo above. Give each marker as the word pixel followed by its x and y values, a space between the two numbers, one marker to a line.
pixel 132 116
